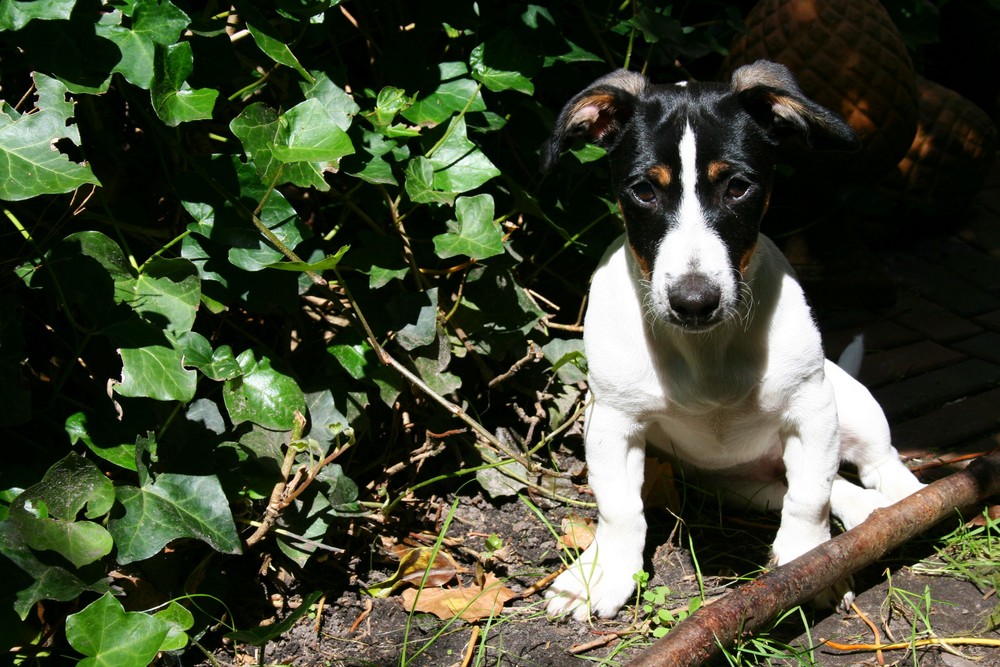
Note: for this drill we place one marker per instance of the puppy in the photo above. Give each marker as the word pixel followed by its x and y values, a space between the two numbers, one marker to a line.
pixel 699 339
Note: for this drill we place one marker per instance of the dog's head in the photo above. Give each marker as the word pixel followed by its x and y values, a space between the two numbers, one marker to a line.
pixel 692 166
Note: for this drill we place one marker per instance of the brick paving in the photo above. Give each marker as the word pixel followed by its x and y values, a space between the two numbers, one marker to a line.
pixel 933 355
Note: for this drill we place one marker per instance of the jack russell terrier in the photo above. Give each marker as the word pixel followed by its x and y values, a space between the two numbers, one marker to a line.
pixel 699 339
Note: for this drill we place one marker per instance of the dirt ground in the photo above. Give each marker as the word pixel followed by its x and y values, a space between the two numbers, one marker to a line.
pixel 357 630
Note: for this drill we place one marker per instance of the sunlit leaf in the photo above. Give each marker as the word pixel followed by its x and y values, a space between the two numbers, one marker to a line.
pixel 30 163
pixel 459 166
pixel 156 371
pixel 15 14
pixel 270 42
pixel 475 234
pixel 262 394
pixel 111 637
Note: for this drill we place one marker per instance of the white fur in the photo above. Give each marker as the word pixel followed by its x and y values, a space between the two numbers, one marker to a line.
pixel 693 247
pixel 736 401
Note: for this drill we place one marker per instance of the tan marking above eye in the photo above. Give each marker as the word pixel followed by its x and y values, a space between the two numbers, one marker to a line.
pixel 660 174
pixel 717 169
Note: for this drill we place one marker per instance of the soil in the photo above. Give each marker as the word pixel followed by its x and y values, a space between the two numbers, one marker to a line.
pixel 357 630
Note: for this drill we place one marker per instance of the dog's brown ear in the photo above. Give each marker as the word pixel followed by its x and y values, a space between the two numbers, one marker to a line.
pixel 596 114
pixel 771 94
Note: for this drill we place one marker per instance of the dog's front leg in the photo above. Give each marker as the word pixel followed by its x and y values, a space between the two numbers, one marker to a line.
pixel 600 581
pixel 811 453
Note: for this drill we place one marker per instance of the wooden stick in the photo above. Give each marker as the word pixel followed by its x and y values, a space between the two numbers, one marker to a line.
pixel 749 606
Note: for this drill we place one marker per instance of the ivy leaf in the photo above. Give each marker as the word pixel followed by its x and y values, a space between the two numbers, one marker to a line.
pixel 174 101
pixel 257 127
pixel 270 42
pixel 120 453
pixel 30 164
pixel 111 637
pixel 152 22
pixel 179 620
pixel 46 512
pixel 174 506
pixel 71 485
pixel 308 133
pixel 340 105
pixel 455 93
pixel 14 14
pixel 475 234
pixel 459 166
pixel 420 183
pixel 218 364
pixel 31 580
pixel 155 371
pixel 166 293
pixel 504 63
pixel 222 214
pixel 424 330
pixel 262 395
pixel 328 262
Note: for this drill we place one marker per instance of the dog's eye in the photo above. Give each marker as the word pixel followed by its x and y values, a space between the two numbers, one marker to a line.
pixel 643 192
pixel 737 188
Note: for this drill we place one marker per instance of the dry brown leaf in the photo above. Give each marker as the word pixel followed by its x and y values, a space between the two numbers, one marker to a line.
pixel 470 603
pixel 578 533
pixel 412 567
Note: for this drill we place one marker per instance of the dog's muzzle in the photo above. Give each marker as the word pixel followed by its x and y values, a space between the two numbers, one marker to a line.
pixel 695 301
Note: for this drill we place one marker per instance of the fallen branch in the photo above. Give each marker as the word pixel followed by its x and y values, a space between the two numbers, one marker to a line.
pixel 749 606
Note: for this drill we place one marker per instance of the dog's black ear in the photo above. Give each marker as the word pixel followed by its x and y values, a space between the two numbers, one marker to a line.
pixel 597 114
pixel 771 94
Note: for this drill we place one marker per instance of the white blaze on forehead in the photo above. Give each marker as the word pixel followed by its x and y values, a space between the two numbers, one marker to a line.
pixel 691 245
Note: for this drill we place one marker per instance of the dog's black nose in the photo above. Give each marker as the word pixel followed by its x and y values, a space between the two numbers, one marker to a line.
pixel 695 298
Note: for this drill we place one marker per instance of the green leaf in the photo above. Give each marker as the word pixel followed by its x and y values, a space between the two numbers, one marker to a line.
pixel 265 633
pixel 459 166
pixel 423 331
pixel 152 22
pixel 308 133
pixel 222 214
pixel 179 620
pixel 352 358
pixel 46 512
pixel 475 234
pixel 269 41
pixel 219 364
pixel 328 262
pixel 262 395
pixel 15 14
pixel 111 637
pixel 257 127
pixel 31 580
pixel 341 106
pixel 455 93
pixel 155 371
pixel 505 63
pixel 174 101
pixel 30 163
pixel 166 293
pixel 420 183
pixel 68 487
pixel 120 453
pixel 172 507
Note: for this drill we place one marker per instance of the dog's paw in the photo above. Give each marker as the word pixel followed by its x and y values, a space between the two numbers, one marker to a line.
pixel 592 585
pixel 840 596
